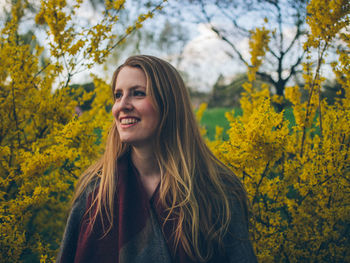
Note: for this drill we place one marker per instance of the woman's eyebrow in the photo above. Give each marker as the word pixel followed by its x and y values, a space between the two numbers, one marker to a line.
pixel 137 86
pixel 132 87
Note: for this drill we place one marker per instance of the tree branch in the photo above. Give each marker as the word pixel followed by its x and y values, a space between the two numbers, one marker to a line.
pixel 279 21
pixel 266 77
pixel 234 21
pixel 273 53
pixel 317 75
pixel 218 33
pixel 297 63
pixel 296 37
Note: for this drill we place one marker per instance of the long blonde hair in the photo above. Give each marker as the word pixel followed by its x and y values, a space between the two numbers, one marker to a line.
pixel 195 186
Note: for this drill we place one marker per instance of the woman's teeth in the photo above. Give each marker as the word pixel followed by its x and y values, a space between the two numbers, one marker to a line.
pixel 128 121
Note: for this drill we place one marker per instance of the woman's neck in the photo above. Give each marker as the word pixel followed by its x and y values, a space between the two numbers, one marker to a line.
pixel 145 162
pixel 147 166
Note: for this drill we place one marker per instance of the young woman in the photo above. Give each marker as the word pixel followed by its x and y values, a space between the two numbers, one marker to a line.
pixel 158 194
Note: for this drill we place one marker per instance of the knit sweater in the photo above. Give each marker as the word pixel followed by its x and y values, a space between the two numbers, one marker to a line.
pixel 150 245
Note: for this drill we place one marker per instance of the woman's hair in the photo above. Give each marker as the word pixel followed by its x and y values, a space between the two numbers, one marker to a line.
pixel 195 187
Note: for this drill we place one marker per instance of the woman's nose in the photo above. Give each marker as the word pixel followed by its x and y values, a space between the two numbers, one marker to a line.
pixel 125 103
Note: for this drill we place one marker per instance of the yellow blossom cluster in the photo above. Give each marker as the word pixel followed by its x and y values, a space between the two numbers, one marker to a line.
pixel 88 45
pixel 258 45
pixel 327 18
pixel 116 4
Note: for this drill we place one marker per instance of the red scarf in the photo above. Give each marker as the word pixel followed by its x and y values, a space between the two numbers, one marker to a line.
pixel 131 213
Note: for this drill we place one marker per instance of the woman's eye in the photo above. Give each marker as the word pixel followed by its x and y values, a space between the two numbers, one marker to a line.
pixel 118 95
pixel 139 93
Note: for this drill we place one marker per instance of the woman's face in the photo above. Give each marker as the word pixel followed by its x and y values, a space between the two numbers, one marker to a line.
pixel 135 116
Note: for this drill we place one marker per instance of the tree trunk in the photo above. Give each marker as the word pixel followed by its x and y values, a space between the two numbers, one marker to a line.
pixel 279 86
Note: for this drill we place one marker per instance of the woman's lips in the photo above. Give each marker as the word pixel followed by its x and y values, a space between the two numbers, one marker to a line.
pixel 126 122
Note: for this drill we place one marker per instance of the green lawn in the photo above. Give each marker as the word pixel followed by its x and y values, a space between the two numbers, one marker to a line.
pixel 213 117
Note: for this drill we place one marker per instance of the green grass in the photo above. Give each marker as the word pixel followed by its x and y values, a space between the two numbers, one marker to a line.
pixel 288 114
pixel 213 117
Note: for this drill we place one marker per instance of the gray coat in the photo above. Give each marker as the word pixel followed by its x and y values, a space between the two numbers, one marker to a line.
pixel 238 248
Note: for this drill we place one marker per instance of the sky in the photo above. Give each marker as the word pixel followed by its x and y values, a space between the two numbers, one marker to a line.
pixel 207 57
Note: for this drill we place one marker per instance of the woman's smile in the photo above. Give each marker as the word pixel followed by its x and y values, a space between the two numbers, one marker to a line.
pixel 128 121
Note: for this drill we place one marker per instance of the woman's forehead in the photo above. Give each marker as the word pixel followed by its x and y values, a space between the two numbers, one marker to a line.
pixel 130 77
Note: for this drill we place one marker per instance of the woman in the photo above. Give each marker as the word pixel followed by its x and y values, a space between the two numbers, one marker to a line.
pixel 158 194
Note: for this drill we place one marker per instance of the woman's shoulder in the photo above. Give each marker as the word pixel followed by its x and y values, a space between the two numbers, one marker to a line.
pixel 71 233
pixel 86 191
pixel 237 240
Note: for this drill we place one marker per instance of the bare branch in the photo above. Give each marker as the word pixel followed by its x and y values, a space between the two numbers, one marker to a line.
pixel 41 70
pixel 266 77
pixel 234 21
pixel 280 21
pixel 296 37
pixel 313 84
pixel 297 63
pixel 218 33
pixel 273 53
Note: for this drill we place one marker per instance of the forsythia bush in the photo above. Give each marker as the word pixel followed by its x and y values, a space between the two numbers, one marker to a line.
pixel 297 179
pixel 44 147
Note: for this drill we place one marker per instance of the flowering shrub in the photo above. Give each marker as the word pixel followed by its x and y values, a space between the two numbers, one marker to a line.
pixel 44 147
pixel 298 179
